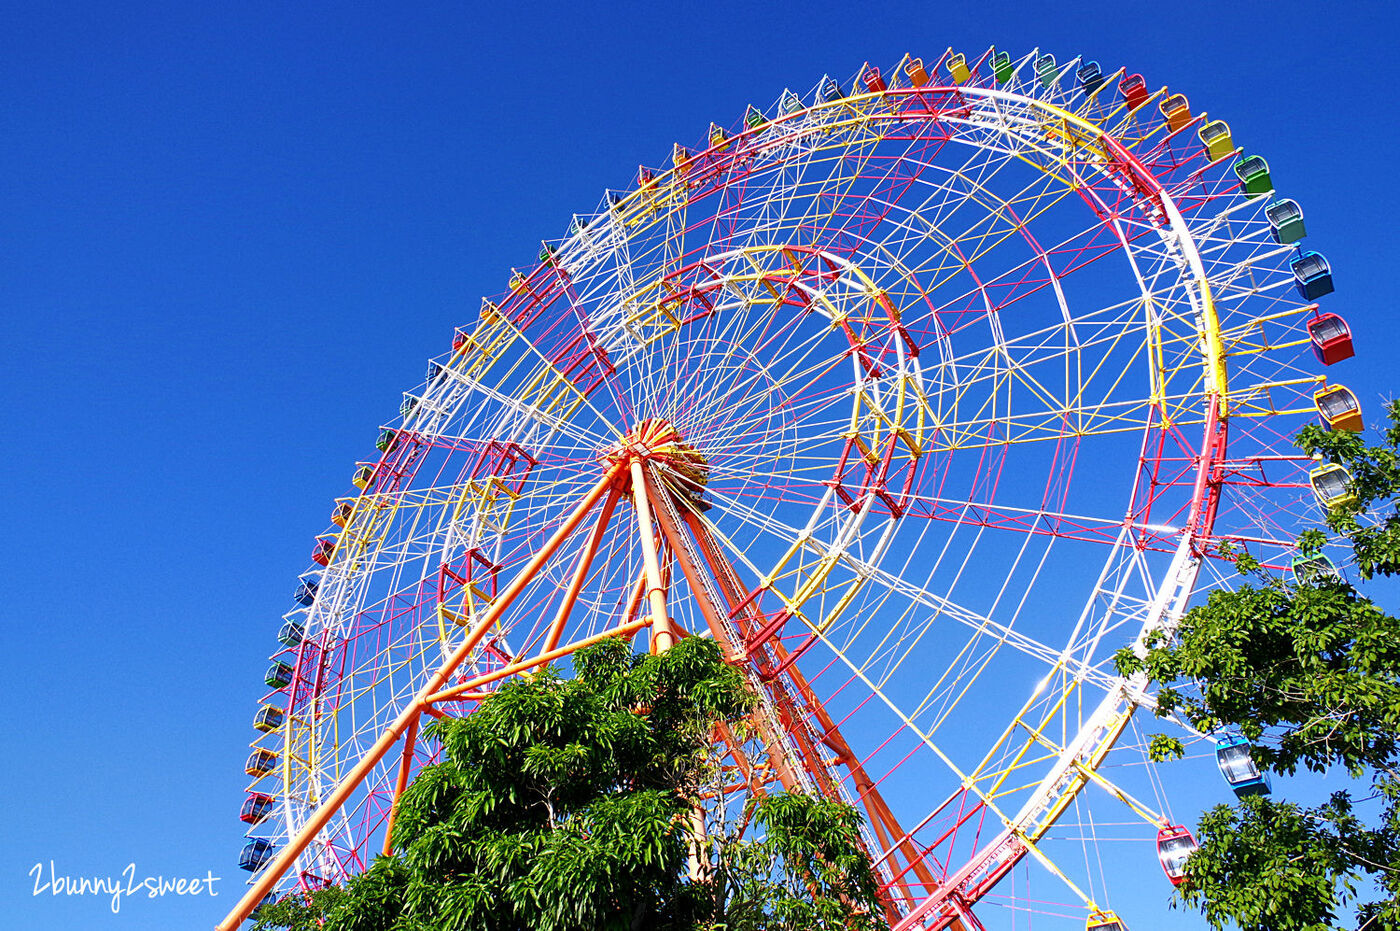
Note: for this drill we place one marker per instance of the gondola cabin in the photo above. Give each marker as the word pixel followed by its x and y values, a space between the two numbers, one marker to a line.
pixel 363 477
pixel 388 440
pixel 1312 276
pixel 260 763
pixel 791 103
pixel 256 807
pixel 1331 338
pixel 830 89
pixel 1104 921
pixel 1002 67
pixel 278 675
pixel 1174 845
pixel 1286 221
pixel 872 80
pixel 915 71
pixel 268 719
pixel 1253 173
pixel 1090 76
pixel 1176 110
pixel 753 117
pixel 341 515
pixel 321 553
pixel 291 634
pixel 408 405
pixel 1332 486
pixel 1045 69
pixel 255 853
pixel 1134 90
pixel 718 137
pixel 517 282
pixel 957 68
pixel 1313 568
pixel 434 370
pixel 679 155
pixel 1339 408
pixel 1215 136
pixel 306 590
pixel 1232 755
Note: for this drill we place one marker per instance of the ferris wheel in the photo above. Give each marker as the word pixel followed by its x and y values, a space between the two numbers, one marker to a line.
pixel 922 393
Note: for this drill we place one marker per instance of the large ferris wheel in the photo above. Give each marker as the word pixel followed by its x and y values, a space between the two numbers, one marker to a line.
pixel 921 393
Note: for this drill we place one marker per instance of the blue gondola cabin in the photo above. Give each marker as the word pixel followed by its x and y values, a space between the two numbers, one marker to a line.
pixel 1331 339
pixel 256 807
pixel 256 853
pixel 1236 763
pixel 1339 408
pixel 1285 221
pixel 1331 484
pixel 306 590
pixel 1174 845
pixel 1090 77
pixel 830 90
pixel 1312 276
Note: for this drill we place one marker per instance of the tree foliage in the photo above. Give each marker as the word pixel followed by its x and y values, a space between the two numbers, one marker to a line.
pixel 577 803
pixel 1309 670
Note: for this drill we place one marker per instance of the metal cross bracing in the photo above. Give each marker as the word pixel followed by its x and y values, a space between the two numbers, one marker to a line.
pixel 905 331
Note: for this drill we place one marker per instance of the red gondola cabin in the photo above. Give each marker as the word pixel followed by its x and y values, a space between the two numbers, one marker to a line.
pixel 1174 845
pixel 1331 339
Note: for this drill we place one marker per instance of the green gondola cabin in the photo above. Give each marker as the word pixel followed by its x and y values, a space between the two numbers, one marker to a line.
pixel 1285 221
pixel 1253 173
pixel 1045 69
pixel 278 675
pixel 291 634
pixel 1002 67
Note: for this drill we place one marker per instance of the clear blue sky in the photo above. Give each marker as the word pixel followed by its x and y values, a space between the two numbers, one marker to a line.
pixel 230 239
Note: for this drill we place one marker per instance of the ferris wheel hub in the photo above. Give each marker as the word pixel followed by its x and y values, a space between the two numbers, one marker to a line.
pixel 656 441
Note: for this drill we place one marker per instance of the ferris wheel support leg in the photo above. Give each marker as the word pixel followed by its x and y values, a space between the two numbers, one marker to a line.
pixel 662 636
pixel 409 716
pixel 405 763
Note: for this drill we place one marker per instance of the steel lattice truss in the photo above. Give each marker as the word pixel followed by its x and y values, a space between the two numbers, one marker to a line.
pixel 927 396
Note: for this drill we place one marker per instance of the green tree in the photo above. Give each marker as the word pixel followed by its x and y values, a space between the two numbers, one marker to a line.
pixel 1309 670
pixel 576 804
